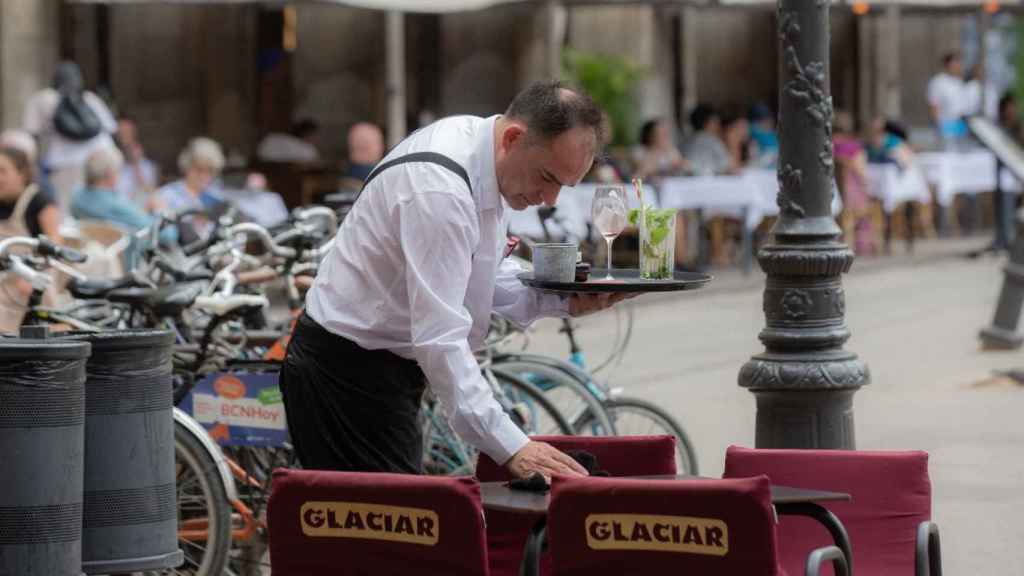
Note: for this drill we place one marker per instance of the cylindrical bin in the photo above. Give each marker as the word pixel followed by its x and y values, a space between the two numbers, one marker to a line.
pixel 42 401
pixel 130 519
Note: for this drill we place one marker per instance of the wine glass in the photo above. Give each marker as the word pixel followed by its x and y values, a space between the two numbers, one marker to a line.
pixel 609 214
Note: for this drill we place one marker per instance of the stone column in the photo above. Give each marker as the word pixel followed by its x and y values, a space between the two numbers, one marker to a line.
pixel 804 382
pixel 29 47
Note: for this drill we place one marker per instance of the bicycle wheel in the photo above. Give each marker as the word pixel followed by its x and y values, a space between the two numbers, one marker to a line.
pixel 254 465
pixel 634 416
pixel 568 388
pixel 204 514
pixel 444 453
pixel 530 409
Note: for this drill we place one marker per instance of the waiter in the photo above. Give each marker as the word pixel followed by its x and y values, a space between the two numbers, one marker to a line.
pixel 406 293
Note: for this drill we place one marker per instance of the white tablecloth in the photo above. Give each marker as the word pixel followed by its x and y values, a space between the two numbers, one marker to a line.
pixel 572 214
pixel 894 186
pixel 755 190
pixel 970 172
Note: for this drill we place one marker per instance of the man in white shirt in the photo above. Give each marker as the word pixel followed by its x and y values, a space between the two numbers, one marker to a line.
pixel 947 99
pixel 407 291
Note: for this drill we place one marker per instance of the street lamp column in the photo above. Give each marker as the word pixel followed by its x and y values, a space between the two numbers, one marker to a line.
pixel 804 381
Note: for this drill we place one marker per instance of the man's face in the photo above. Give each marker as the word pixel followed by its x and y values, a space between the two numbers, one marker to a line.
pixel 532 172
pixel 955 67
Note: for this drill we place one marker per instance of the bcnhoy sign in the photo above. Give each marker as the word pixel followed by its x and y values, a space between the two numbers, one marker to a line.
pixel 683 534
pixel 239 408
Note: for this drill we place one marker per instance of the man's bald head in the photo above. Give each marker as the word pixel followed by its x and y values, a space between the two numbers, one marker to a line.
pixel 550 109
pixel 365 144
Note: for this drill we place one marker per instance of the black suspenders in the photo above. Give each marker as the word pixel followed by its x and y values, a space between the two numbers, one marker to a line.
pixel 428 157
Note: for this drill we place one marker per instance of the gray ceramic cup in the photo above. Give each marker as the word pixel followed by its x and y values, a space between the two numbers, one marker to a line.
pixel 554 262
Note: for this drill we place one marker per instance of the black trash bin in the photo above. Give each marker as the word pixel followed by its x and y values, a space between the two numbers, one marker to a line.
pixel 42 415
pixel 130 516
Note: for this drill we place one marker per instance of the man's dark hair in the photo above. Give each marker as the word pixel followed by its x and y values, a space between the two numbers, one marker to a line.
pixel 551 108
pixel 305 127
pixel 949 57
pixel 701 115
pixel 647 132
pixel 1005 101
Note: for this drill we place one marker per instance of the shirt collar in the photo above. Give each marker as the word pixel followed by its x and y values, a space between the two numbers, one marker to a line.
pixel 488 196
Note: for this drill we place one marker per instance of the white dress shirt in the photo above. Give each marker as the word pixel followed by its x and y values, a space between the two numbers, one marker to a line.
pixel 947 93
pixel 417 269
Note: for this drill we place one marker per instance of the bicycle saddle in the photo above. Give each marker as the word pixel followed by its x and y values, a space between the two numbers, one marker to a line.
pixel 91 288
pixel 164 301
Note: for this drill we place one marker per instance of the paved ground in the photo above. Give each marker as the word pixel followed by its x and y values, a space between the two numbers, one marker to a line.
pixel 915 321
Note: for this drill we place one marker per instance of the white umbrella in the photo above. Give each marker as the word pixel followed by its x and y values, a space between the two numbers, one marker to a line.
pixel 389 5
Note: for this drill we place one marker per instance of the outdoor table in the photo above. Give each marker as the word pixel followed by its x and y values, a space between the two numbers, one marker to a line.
pixel 893 186
pixel 787 500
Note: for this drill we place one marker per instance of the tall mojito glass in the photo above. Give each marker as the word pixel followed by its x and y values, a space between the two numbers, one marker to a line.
pixel 657 241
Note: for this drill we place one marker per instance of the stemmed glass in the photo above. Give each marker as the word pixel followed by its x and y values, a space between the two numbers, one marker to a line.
pixel 609 215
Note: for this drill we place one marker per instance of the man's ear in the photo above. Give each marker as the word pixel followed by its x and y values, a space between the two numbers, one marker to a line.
pixel 513 134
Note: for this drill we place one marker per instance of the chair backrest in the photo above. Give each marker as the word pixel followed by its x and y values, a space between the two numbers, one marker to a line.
pixel 891 496
pixel 349 523
pixel 618 455
pixel 618 526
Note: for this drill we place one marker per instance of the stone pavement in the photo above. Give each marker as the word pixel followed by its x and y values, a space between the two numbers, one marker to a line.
pixel 915 320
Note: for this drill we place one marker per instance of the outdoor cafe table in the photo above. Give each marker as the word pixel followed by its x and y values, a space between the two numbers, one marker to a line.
pixel 787 500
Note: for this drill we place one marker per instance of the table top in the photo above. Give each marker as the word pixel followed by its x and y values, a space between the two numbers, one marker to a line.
pixel 498 496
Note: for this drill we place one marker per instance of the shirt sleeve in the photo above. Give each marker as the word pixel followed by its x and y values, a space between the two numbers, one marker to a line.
pixel 521 304
pixel 437 235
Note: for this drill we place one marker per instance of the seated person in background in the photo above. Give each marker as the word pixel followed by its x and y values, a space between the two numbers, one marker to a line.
pixel 762 132
pixel 25 210
pixel 884 147
pixel 100 199
pixel 657 157
pixel 365 150
pixel 851 163
pixel 21 140
pixel 299 145
pixel 738 142
pixel 705 147
pixel 198 189
pixel 139 176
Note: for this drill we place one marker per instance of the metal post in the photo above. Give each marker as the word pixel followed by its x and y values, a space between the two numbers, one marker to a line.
pixel 804 381
pixel 395 70
pixel 1002 334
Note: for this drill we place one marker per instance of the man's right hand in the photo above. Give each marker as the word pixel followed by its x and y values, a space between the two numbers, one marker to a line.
pixel 544 458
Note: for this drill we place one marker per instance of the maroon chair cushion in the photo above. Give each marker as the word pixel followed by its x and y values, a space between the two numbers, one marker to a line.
pixel 617 526
pixel 618 455
pixel 891 496
pixel 349 523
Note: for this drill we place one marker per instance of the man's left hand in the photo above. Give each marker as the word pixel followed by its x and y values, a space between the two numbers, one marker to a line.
pixel 582 304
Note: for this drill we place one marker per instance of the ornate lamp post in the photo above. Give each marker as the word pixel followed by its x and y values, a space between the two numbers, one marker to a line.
pixel 804 381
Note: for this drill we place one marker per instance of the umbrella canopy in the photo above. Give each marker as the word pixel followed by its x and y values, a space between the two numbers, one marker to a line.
pixel 438 6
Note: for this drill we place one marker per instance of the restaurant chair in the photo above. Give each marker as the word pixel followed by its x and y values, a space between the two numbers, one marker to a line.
pixel 605 526
pixel 618 455
pixel 888 519
pixel 325 523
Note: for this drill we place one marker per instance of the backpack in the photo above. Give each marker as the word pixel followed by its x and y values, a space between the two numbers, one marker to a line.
pixel 74 119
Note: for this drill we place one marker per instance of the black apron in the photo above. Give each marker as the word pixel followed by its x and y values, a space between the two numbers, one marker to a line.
pixel 349 408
